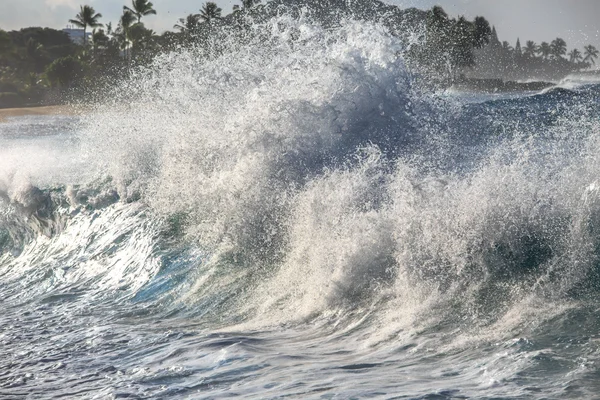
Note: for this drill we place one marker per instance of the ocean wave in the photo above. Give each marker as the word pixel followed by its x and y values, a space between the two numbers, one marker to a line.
pixel 298 190
pixel 326 181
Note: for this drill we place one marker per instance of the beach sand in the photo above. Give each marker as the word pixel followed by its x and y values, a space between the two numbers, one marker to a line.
pixel 48 110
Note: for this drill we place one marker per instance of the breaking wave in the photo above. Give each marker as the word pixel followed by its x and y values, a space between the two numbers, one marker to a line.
pixel 307 182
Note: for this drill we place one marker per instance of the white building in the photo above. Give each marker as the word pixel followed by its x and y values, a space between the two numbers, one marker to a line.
pixel 76 34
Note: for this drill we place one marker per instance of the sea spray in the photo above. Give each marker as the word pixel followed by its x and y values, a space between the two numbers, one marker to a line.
pixel 257 165
pixel 292 214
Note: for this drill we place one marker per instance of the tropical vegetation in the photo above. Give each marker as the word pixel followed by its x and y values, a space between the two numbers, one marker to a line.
pixel 42 64
pixel 140 8
pixel 548 60
pixel 210 11
pixel 86 17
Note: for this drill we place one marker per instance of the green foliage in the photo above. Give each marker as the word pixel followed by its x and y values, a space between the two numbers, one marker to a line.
pixel 558 48
pixel 461 52
pixel 447 49
pixel 140 8
pixel 99 39
pixel 530 49
pixel 449 43
pixel 24 56
pixel 544 50
pixel 63 72
pixel 210 11
pixel 8 87
pixel 47 37
pixel 482 32
pixel 246 4
pixel 5 42
pixel 143 43
pixel 188 24
pixel 591 53
pixel 10 99
pixel 87 17
pixel 575 56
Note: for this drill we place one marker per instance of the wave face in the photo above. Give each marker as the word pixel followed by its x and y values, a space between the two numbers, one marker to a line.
pixel 291 214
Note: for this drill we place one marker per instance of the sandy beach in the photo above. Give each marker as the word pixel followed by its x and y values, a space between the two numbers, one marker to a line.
pixel 47 110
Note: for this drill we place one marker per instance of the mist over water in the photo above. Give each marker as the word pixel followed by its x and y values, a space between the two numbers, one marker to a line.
pixel 292 214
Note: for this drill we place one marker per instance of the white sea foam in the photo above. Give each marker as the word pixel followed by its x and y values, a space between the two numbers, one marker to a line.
pixel 315 178
pixel 304 182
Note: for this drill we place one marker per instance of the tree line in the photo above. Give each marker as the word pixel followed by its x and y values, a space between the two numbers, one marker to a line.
pixel 36 63
pixel 452 48
pixel 548 60
pixel 40 65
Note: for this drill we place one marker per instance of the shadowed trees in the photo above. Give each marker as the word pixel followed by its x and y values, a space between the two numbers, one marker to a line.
pixel 547 61
pixel 188 24
pixel 123 32
pixel 530 49
pixel 482 32
pixel 449 43
pixel 518 51
pixel 591 53
pixel 544 50
pixel 5 42
pixel 558 48
pixel 143 43
pixel 246 4
pixel 441 47
pixel 140 8
pixel 507 47
pixel 210 11
pixel 461 53
pixel 64 71
pixel 575 56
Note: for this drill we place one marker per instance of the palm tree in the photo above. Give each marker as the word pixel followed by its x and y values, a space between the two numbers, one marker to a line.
pixel 5 42
pixel 142 40
pixel 591 53
pixel 127 20
pixel 530 49
pixel 544 50
pixel 87 17
pixel 507 47
pixel 558 48
pixel 99 40
pixel 575 56
pixel 210 11
pixel 141 8
pixel 123 32
pixel 188 24
pixel 246 4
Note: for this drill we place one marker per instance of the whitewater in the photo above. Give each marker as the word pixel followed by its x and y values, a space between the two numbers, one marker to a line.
pixel 297 215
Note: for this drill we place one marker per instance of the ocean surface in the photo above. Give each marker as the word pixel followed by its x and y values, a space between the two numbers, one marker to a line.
pixel 300 217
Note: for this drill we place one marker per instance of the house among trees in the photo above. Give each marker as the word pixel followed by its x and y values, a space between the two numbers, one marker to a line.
pixel 77 34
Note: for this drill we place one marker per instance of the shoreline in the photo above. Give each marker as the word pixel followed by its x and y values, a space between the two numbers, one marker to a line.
pixel 482 85
pixel 42 110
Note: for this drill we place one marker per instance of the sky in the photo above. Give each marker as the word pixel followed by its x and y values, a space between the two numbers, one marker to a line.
pixel 576 21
